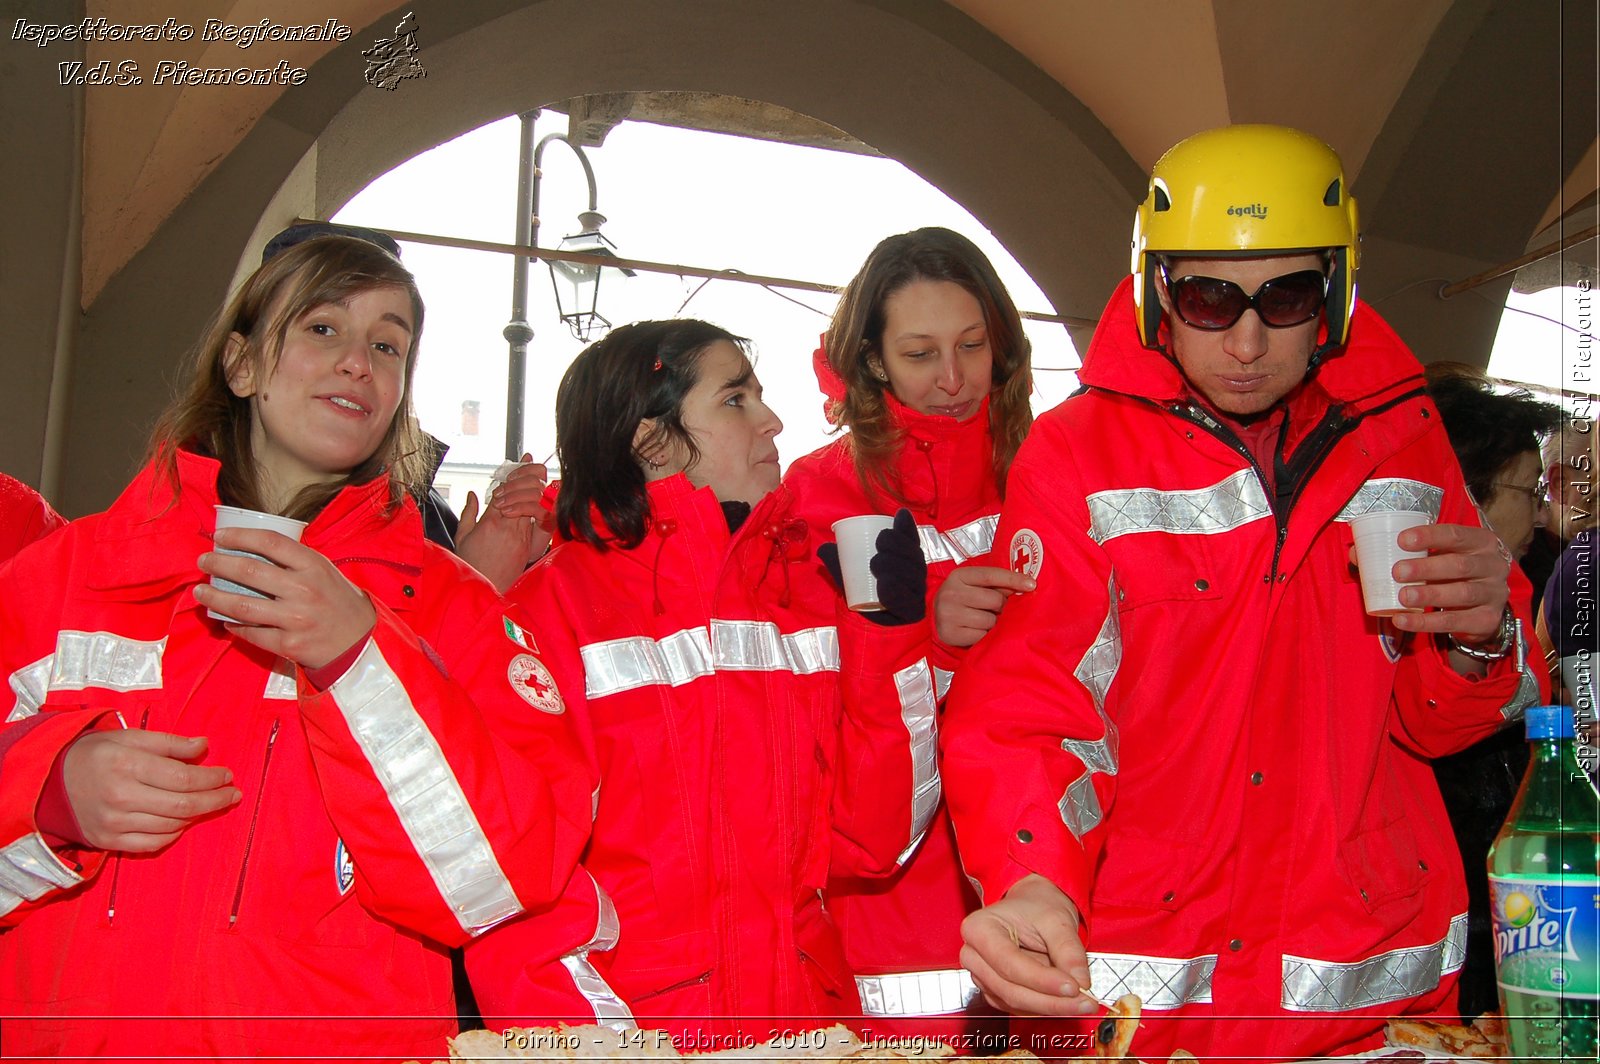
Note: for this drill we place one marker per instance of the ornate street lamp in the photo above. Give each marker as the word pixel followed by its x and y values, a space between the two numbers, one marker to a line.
pixel 577 285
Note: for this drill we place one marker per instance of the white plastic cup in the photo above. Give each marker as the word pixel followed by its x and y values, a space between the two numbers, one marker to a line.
pixel 234 517
pixel 501 472
pixel 1377 538
pixel 857 538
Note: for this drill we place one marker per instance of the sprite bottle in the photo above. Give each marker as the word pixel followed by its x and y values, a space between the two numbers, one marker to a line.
pixel 1544 896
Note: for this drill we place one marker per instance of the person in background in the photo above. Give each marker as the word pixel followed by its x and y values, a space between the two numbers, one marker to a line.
pixel 740 726
pixel 225 838
pixel 1570 475
pixel 511 531
pixel 926 364
pixel 24 516
pixel 1189 748
pixel 1495 436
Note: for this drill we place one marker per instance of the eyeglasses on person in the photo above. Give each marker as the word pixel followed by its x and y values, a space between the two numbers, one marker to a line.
pixel 1539 494
pixel 1213 304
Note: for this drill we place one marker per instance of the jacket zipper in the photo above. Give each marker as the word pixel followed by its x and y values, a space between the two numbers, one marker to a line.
pixel 703 977
pixel 250 836
pixel 1322 438
pixel 116 859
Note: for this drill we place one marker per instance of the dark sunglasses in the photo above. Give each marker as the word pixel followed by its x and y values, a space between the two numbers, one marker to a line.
pixel 1211 303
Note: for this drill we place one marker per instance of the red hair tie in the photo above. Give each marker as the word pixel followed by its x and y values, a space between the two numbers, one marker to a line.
pixel 657 367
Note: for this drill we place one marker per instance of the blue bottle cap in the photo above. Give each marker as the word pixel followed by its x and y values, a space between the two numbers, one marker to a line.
pixel 1549 722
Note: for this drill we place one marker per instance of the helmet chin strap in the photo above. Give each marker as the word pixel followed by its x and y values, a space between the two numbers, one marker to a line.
pixel 1323 349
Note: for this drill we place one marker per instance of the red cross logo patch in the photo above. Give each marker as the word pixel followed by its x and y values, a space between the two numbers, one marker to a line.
pixel 1026 554
pixel 530 679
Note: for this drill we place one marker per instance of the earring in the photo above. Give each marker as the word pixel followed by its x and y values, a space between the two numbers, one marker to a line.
pixel 877 371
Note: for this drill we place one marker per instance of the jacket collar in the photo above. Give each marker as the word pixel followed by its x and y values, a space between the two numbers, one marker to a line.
pixel 174 531
pixel 1370 368
pixel 942 458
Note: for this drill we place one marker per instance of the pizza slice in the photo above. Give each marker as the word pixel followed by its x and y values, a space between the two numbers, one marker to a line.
pixel 1471 1042
pixel 1113 1035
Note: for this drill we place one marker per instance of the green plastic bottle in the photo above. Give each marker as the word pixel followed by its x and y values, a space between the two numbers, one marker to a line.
pixel 1544 894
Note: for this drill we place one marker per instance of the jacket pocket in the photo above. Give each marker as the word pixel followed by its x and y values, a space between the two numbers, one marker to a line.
pixel 1384 865
pixel 673 975
pixel 1188 575
pixel 1140 871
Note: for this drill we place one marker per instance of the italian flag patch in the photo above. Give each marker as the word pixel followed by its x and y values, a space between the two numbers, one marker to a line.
pixel 519 635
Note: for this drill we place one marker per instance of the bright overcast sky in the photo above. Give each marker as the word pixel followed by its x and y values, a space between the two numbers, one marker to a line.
pixel 1546 338
pixel 670 195
pixel 716 201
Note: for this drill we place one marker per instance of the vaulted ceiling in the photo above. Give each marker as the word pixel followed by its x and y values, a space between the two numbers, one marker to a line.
pixel 1386 83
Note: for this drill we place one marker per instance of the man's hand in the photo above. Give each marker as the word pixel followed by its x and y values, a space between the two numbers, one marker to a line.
pixel 137 791
pixel 969 601
pixel 1025 955
pixel 1461 584
pixel 315 613
pixel 508 537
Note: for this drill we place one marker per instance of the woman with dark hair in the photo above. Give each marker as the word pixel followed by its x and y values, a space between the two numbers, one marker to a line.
pixel 261 836
pixel 702 654
pixel 926 364
pixel 1495 437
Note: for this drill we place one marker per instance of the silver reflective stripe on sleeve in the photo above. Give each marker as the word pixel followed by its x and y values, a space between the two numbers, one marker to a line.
pixel 609 1008
pixel 916 993
pixel 941 682
pixel 424 792
pixel 1222 507
pixel 104 659
pixel 1079 805
pixel 1160 982
pixel 1394 493
pixel 1333 986
pixel 30 684
pixel 88 659
pixel 920 712
pixel 618 665
pixel 29 871
pixel 958 544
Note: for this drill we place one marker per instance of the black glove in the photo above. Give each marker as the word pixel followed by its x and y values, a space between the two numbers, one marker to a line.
pixel 899 568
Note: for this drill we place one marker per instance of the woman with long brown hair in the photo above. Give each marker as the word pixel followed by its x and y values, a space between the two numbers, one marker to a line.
pixel 261 834
pixel 925 363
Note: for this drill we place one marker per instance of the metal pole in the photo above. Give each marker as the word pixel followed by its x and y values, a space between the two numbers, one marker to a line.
pixel 518 332
pixel 676 269
pixel 1516 264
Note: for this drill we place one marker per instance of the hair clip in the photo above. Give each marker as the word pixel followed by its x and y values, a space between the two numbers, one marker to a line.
pixel 657 367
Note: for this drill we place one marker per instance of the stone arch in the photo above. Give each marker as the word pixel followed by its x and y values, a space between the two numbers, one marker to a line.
pixel 920 83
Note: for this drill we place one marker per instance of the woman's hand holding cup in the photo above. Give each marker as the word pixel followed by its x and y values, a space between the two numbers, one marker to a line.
pixel 312 614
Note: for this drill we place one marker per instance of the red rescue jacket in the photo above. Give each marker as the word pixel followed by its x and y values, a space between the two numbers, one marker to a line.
pixel 902 935
pixel 24 516
pixel 382 820
pixel 1194 729
pixel 705 672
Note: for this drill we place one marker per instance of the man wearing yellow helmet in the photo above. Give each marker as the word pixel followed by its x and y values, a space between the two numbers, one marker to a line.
pixel 1190 749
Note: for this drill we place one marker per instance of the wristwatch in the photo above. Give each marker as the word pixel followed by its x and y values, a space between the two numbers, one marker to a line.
pixel 1506 640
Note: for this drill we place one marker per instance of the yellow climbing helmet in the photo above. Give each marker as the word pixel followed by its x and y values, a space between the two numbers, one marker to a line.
pixel 1248 190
